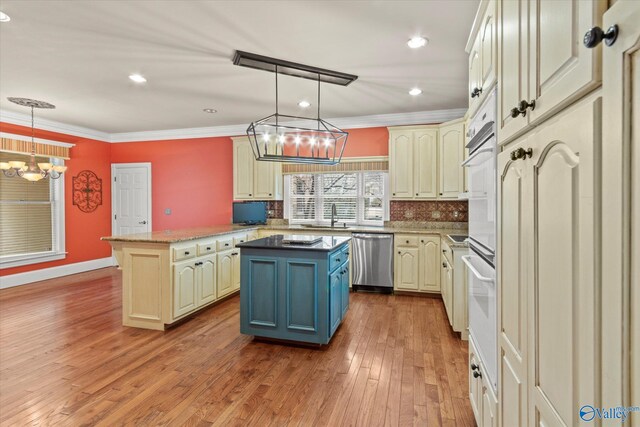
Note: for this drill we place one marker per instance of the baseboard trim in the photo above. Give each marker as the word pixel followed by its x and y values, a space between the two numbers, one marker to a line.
pixel 53 272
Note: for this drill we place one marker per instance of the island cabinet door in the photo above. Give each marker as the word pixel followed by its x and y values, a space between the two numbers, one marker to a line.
pixel 184 288
pixel 302 299
pixel 260 297
pixel 345 289
pixel 335 303
pixel 225 271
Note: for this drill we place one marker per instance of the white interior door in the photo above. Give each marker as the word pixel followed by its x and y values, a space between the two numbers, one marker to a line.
pixel 131 198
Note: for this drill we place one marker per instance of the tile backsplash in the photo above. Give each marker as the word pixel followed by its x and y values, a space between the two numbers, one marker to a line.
pixel 275 209
pixel 430 210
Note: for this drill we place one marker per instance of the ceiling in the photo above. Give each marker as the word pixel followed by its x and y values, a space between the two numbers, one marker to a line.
pixel 78 55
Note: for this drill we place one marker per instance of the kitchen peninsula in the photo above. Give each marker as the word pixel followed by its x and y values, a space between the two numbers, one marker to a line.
pixel 294 288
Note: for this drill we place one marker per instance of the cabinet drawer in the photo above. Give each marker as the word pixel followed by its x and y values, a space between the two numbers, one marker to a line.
pixel 336 259
pixel 239 239
pixel 184 253
pixel 404 240
pixel 206 247
pixel 225 244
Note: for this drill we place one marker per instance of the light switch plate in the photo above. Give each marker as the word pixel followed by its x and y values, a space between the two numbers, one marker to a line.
pixel 167 211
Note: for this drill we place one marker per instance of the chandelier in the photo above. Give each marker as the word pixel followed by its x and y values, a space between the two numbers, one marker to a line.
pixel 31 171
pixel 294 139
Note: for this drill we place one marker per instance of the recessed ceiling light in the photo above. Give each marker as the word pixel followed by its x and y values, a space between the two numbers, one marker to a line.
pixel 415 91
pixel 304 104
pixel 210 110
pixel 137 78
pixel 4 17
pixel 416 42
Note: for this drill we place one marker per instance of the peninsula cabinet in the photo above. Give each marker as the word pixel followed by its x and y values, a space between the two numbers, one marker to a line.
pixel 424 161
pixel 543 64
pixel 417 263
pixel 254 180
pixel 547 269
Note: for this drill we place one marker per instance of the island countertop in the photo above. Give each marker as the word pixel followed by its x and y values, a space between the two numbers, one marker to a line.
pixel 327 244
pixel 173 236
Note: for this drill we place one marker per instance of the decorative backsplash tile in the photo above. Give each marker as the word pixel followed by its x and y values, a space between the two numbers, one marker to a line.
pixel 430 210
pixel 275 209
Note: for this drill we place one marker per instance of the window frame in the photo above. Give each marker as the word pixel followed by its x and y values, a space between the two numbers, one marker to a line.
pixel 58 251
pixel 319 200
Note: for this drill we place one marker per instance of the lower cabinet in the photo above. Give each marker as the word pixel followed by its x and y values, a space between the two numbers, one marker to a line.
pixel 346 283
pixel 416 263
pixel 446 282
pixel 481 395
pixel 228 272
pixel 194 284
pixel 335 308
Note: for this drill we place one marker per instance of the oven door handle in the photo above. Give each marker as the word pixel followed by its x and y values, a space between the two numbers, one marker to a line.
pixel 467 260
pixel 467 162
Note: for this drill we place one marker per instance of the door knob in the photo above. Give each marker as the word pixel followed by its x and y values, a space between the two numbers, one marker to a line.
pixel 142 222
pixel 595 35
pixel 521 153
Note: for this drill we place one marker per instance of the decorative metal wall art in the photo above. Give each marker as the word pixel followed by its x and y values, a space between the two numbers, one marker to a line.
pixel 87 191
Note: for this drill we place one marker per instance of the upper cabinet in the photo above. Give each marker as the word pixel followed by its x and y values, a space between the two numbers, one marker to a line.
pixel 254 180
pixel 544 65
pixel 424 161
pixel 482 49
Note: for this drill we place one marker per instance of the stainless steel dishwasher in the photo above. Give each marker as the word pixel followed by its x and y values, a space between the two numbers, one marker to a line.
pixel 372 262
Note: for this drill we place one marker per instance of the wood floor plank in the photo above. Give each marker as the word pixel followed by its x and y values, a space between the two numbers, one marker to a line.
pixel 65 359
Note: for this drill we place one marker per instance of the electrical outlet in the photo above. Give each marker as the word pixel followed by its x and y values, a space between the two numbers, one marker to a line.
pixel 435 214
pixel 167 211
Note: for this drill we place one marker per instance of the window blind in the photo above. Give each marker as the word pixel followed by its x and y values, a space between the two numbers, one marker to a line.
pixel 341 190
pixel 27 212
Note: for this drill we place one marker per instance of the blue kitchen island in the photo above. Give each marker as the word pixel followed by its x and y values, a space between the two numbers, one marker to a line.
pixel 294 291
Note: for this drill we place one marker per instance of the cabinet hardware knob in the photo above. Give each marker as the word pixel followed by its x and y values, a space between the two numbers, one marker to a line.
pixel 515 112
pixel 524 105
pixel 250 195
pixel 476 92
pixel 421 241
pixel 399 253
pixel 270 194
pixel 142 222
pixel 186 252
pixel 444 265
pixel 337 259
pixel 521 153
pixel 444 251
pixel 394 194
pixel 208 248
pixel 407 241
pixel 477 374
pixel 595 35
pixel 416 194
pixel 441 194
pixel 226 244
pixel 474 367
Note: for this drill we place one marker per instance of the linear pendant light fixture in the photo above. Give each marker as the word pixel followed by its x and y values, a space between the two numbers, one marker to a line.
pixel 294 139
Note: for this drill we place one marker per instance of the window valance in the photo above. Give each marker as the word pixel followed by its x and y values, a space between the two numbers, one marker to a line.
pixel 354 164
pixel 53 149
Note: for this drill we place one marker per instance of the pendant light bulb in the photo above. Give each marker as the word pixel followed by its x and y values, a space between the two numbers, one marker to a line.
pixel 265 137
pixel 297 140
pixel 281 139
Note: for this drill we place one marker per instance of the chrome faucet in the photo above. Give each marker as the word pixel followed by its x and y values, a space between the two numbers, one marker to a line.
pixel 334 214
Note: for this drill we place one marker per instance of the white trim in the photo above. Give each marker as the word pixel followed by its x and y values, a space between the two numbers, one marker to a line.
pixel 53 126
pixel 378 120
pixel 114 167
pixel 38 140
pixel 53 272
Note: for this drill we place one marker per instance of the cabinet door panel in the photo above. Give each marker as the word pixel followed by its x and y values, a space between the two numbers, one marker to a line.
pixel 225 269
pixel 207 280
pixel 235 274
pixel 243 165
pixel 430 263
pixel 407 269
pixel 451 150
pixel 513 65
pixel 345 291
pixel 562 322
pixel 474 75
pixel 426 164
pixel 263 292
pixel 302 296
pixel 488 51
pixel 401 164
pixel 561 67
pixel 184 288
pixel 335 309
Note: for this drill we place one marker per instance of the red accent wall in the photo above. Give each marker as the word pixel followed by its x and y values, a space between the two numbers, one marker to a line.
pixel 83 230
pixel 193 177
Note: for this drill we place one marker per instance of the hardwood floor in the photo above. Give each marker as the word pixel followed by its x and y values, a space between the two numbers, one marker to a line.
pixel 65 359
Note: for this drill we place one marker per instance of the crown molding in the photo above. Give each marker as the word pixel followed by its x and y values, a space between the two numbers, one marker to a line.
pixel 53 126
pixel 358 122
pixel 378 120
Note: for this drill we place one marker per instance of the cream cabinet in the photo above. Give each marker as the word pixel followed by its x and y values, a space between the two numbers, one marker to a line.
pixel 252 179
pixel 446 285
pixel 547 244
pixel 225 272
pixel 424 161
pixel 482 50
pixel 417 263
pixel 451 154
pixel 543 65
pixel 482 397
pixel 184 288
pixel 206 280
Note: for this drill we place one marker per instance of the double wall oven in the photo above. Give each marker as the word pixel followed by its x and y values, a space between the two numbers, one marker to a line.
pixel 481 261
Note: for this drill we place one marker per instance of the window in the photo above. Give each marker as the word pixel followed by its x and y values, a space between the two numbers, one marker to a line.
pixel 31 217
pixel 358 197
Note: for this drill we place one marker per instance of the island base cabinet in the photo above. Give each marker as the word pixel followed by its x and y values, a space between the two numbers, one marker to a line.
pixel 184 288
pixel 345 290
pixel 291 295
pixel 206 281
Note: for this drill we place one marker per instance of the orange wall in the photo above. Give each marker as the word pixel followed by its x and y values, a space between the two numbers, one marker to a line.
pixel 193 177
pixel 82 230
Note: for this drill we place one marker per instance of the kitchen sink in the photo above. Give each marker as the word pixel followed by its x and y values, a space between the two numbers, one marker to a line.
pixel 324 227
pixel 458 238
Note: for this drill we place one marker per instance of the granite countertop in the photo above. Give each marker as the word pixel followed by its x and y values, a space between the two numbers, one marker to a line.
pixel 327 244
pixel 173 236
